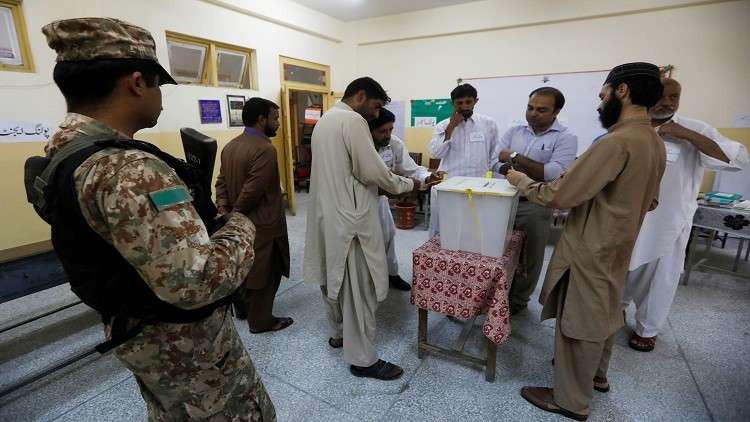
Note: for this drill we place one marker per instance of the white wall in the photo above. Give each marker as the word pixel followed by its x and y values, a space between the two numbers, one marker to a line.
pixel 488 14
pixel 33 96
pixel 271 27
pixel 709 44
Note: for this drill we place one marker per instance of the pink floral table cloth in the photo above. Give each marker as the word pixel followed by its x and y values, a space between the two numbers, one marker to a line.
pixel 466 284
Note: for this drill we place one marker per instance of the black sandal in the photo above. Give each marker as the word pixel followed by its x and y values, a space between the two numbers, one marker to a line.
pixel 336 343
pixel 381 370
pixel 283 322
pixel 601 384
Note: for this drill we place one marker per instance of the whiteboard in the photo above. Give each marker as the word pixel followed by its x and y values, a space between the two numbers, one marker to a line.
pixel 505 100
pixel 734 182
pixel 398 108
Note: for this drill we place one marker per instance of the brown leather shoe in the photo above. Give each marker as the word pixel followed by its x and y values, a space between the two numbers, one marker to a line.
pixel 543 398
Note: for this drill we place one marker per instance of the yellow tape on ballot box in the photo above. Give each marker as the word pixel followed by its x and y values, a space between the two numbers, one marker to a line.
pixel 474 214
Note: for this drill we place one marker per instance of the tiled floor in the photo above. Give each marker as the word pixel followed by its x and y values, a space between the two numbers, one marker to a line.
pixel 700 369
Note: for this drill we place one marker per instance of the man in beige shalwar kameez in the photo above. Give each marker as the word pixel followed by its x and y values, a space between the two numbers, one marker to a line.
pixel 344 250
pixel 609 188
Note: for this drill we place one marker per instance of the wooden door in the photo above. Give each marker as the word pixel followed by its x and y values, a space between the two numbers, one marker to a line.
pixel 288 160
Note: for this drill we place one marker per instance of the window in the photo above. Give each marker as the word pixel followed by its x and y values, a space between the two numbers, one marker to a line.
pixel 187 61
pixel 14 44
pixel 305 75
pixel 231 68
pixel 204 62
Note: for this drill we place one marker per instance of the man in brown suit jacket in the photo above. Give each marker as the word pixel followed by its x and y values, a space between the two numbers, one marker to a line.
pixel 249 183
pixel 609 188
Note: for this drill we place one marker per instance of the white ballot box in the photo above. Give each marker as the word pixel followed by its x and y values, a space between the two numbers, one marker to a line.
pixel 476 214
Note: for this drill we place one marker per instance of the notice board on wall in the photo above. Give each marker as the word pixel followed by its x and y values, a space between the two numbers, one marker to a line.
pixel 429 112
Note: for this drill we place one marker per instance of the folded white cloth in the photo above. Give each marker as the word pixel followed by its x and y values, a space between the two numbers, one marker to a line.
pixel 743 205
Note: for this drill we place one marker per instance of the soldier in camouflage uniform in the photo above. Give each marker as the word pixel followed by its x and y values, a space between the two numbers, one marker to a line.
pixel 193 371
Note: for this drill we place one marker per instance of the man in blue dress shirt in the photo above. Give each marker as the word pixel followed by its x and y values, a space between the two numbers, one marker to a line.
pixel 543 149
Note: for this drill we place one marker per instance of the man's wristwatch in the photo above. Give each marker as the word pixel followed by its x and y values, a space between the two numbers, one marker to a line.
pixel 513 156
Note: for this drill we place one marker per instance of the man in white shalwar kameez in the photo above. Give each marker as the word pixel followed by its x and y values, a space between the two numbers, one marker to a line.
pixel 467 144
pixel 396 157
pixel 659 255
pixel 344 251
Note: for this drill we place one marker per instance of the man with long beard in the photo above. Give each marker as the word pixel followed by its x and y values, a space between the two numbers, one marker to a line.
pixel 609 188
pixel 659 254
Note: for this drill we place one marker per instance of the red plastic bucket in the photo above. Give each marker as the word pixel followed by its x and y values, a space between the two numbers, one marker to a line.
pixel 405 215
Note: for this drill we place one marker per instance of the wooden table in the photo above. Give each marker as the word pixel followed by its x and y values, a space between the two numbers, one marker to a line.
pixel 465 285
pixel 728 220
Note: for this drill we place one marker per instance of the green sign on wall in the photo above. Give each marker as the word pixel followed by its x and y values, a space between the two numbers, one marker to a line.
pixel 428 113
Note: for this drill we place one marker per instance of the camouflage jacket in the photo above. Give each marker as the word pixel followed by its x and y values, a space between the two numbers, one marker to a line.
pixel 185 371
pixel 171 249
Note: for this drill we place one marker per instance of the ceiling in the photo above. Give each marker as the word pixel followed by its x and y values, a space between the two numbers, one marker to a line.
pixel 349 10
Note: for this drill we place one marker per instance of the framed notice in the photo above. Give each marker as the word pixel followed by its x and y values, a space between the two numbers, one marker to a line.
pixel 210 111
pixel 235 104
pixel 312 115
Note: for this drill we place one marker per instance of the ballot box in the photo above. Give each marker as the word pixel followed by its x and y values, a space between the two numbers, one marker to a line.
pixel 476 214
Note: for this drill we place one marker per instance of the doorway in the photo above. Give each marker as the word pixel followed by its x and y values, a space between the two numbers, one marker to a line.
pixel 305 109
pixel 305 96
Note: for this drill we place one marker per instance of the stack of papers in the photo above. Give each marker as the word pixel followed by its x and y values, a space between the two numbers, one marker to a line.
pixel 720 198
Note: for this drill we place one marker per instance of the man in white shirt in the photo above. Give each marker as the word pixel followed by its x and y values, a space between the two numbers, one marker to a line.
pixel 396 157
pixel 344 251
pixel 659 255
pixel 467 143
pixel 542 149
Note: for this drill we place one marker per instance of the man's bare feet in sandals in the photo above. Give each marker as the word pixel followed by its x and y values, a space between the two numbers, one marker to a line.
pixel 600 383
pixel 642 344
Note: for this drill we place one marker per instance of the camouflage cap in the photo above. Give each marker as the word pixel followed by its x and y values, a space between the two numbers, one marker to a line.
pixel 84 39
